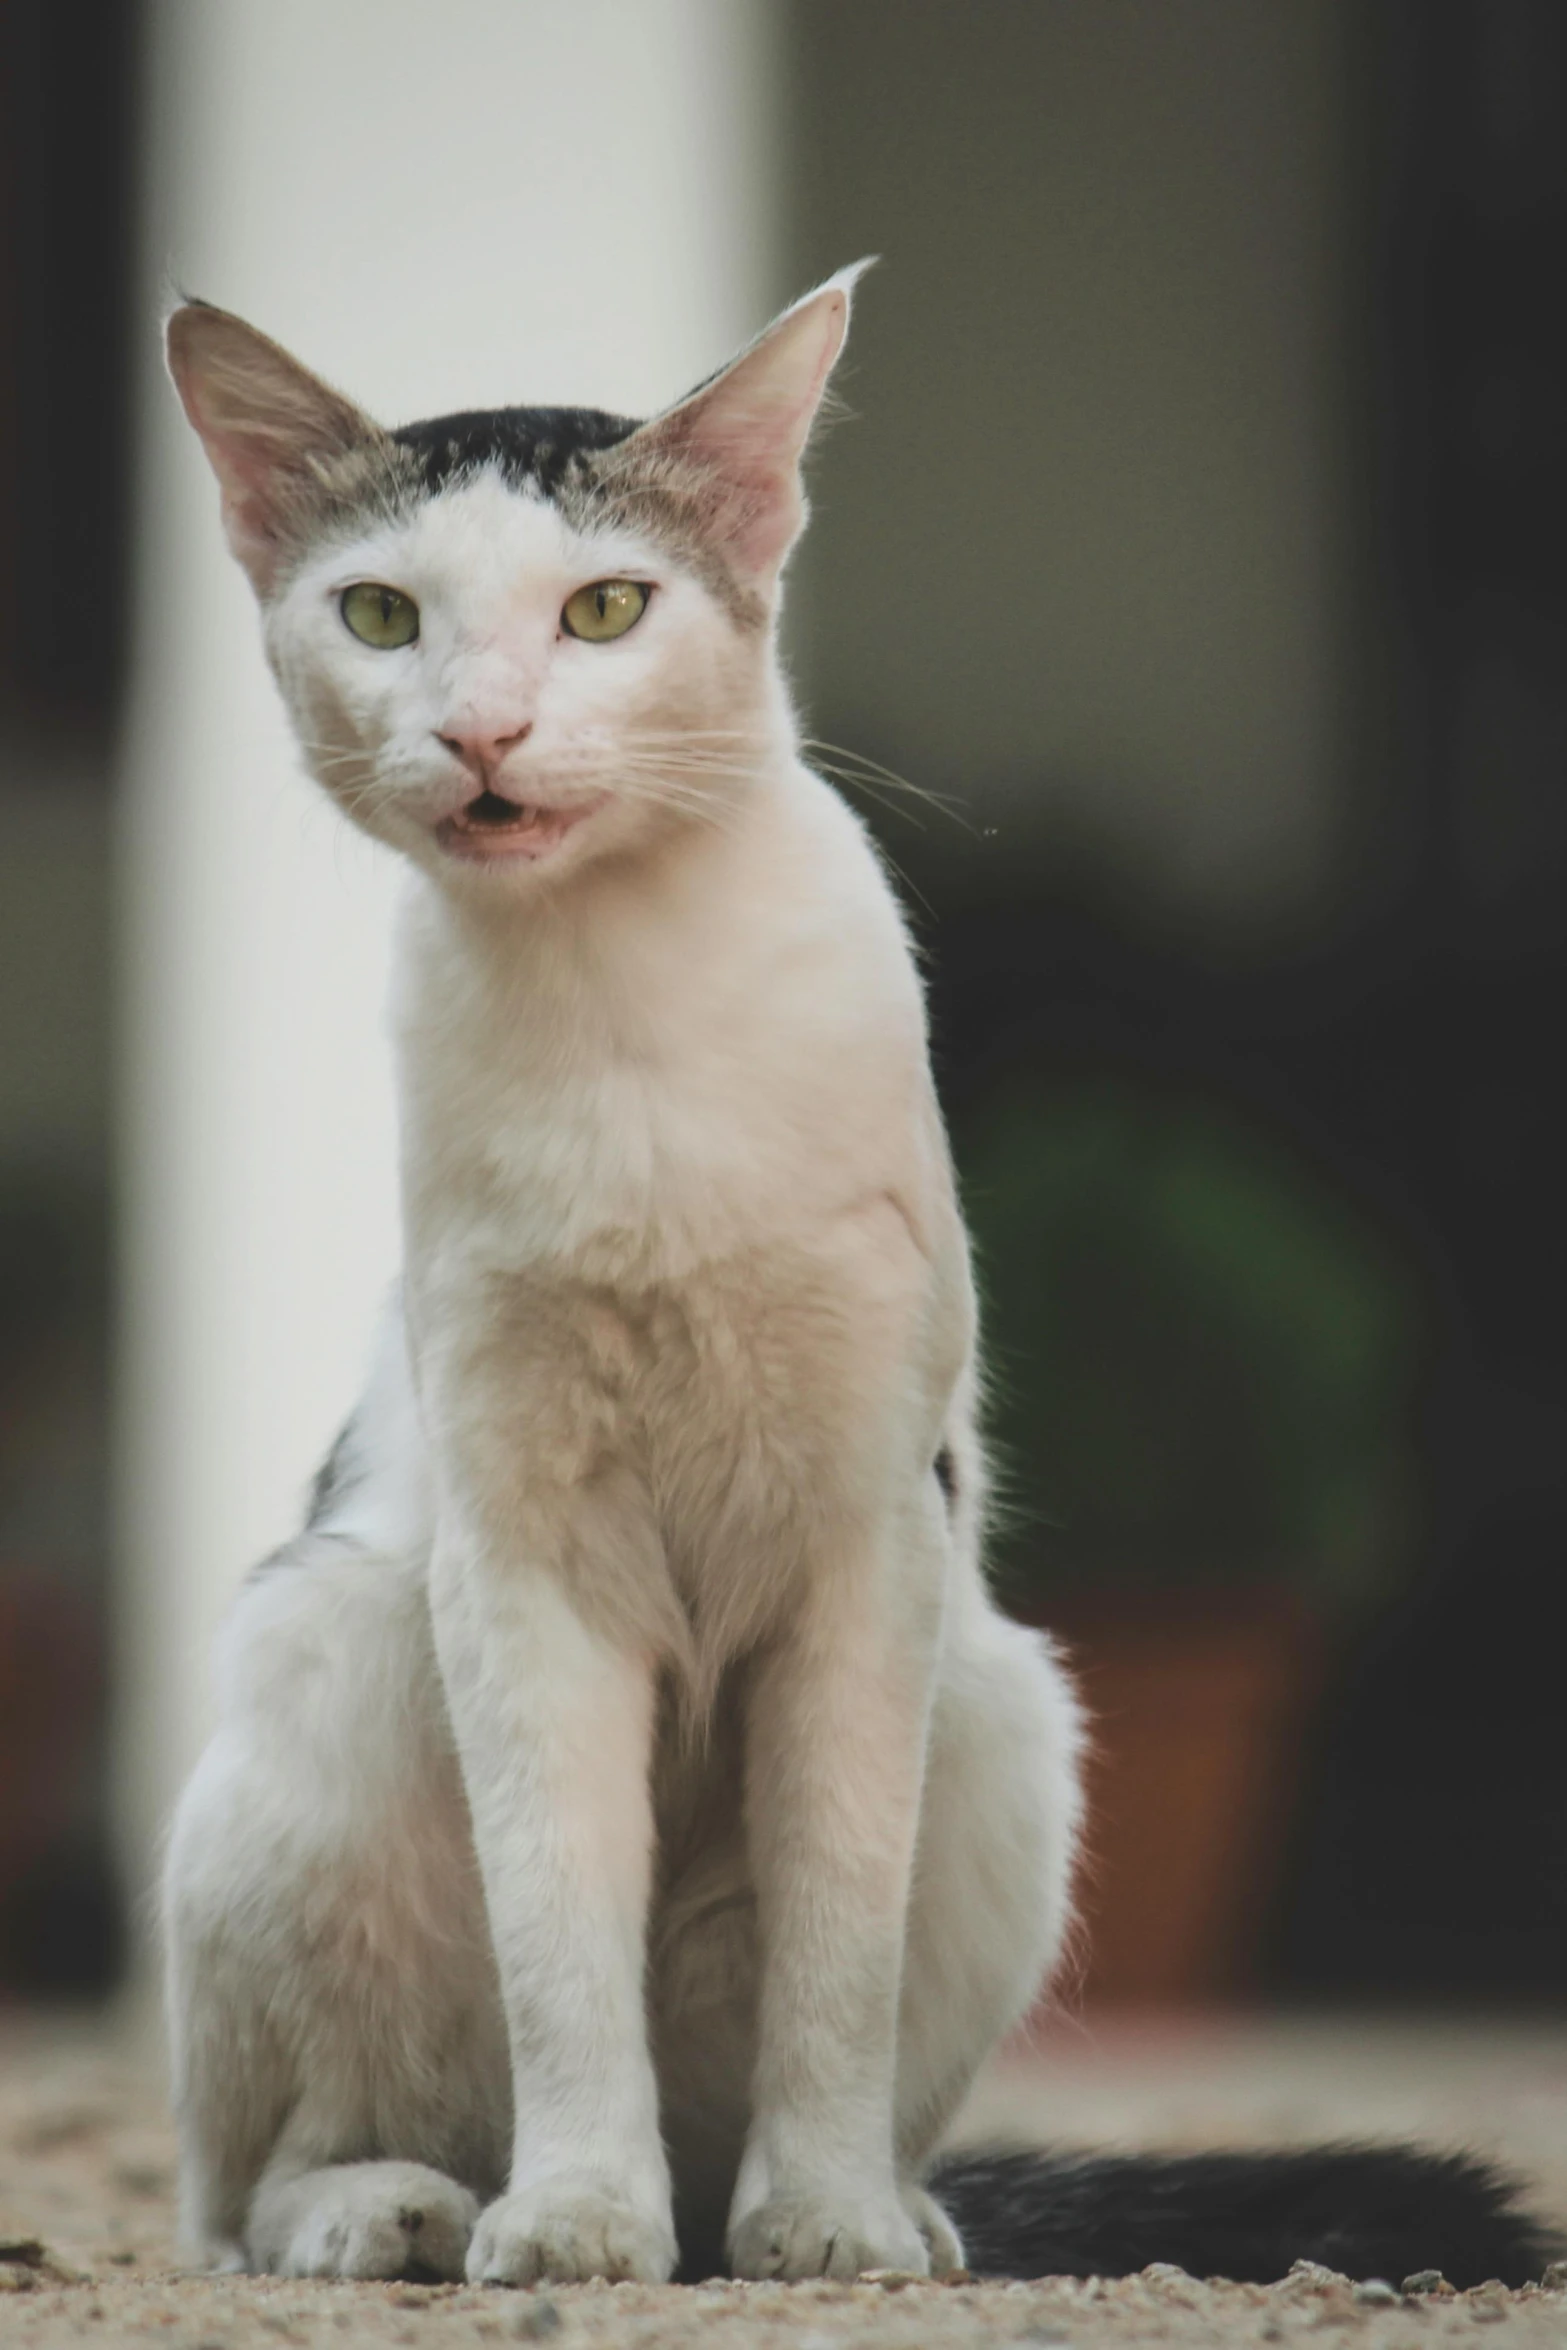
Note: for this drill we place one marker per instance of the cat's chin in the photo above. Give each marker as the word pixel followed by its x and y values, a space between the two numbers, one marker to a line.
pixel 492 831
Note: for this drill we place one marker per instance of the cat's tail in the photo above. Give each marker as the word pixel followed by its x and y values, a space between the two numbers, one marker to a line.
pixel 1365 2211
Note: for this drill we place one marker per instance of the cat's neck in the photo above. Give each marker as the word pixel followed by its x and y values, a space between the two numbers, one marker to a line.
pixel 745 945
pixel 741 1005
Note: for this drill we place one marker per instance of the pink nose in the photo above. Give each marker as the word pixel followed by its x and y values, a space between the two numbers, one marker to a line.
pixel 482 746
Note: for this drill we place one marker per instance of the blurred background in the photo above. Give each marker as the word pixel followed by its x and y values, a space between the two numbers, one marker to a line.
pixel 1183 605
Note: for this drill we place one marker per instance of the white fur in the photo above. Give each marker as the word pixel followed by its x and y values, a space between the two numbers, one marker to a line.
pixel 626 1788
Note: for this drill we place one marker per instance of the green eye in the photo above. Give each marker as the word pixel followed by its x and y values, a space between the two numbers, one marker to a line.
pixel 380 616
pixel 608 608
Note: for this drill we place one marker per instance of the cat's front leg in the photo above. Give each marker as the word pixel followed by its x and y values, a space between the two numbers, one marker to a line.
pixel 835 1760
pixel 554 1726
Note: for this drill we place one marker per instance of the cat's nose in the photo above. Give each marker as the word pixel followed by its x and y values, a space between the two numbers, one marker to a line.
pixel 482 747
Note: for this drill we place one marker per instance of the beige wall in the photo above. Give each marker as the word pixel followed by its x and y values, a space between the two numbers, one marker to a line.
pixel 1085 554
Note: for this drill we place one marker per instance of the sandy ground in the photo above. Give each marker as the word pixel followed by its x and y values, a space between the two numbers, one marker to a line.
pixel 86 2175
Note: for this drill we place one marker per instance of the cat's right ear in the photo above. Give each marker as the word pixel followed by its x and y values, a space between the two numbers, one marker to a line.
pixel 267 425
pixel 746 429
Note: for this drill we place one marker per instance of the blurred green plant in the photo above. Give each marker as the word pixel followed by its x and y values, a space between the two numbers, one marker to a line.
pixel 1202 1356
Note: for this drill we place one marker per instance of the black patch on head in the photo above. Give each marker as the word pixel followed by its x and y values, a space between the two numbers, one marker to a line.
pixel 530 447
pixel 947 1472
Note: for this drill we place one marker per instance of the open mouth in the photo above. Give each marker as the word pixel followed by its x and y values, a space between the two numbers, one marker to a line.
pixel 490 826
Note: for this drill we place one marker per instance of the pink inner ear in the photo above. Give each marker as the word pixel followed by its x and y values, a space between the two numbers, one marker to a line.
pixel 762 506
pixel 250 525
pixel 750 426
pixel 251 469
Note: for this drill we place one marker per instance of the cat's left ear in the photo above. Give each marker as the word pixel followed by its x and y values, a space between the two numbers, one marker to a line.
pixel 747 428
pixel 267 424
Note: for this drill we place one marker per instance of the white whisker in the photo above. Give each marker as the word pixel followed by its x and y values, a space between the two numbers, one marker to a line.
pixel 866 774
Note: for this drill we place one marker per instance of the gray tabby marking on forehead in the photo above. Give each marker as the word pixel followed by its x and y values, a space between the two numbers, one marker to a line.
pixel 596 468
pixel 648 485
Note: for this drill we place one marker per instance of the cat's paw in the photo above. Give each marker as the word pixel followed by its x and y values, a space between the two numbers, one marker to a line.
pixel 942 2240
pixel 563 2231
pixel 794 2236
pixel 375 2219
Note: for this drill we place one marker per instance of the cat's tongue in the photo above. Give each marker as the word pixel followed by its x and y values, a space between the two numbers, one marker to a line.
pixel 489 827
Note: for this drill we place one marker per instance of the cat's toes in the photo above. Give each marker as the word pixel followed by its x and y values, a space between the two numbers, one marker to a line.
pixel 792 2236
pixel 380 2219
pixel 941 2238
pixel 562 2233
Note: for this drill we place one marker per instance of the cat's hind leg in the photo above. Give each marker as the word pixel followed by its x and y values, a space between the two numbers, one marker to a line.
pixel 340 2066
pixel 339 2053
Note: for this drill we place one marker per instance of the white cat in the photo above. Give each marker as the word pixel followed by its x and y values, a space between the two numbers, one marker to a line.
pixel 647 1574
pixel 630 1824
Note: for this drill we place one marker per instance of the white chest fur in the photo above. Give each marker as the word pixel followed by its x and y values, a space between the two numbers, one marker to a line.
pixel 716 1051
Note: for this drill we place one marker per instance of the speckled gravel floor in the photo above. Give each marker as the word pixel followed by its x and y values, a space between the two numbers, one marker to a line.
pixel 86 2206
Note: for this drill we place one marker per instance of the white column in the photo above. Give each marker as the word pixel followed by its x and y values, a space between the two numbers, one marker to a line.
pixel 436 207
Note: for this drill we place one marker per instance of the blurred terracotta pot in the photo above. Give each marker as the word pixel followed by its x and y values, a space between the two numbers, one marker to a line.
pixel 1198 1703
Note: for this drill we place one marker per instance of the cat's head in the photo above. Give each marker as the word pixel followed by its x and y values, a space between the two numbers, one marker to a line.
pixel 517 640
